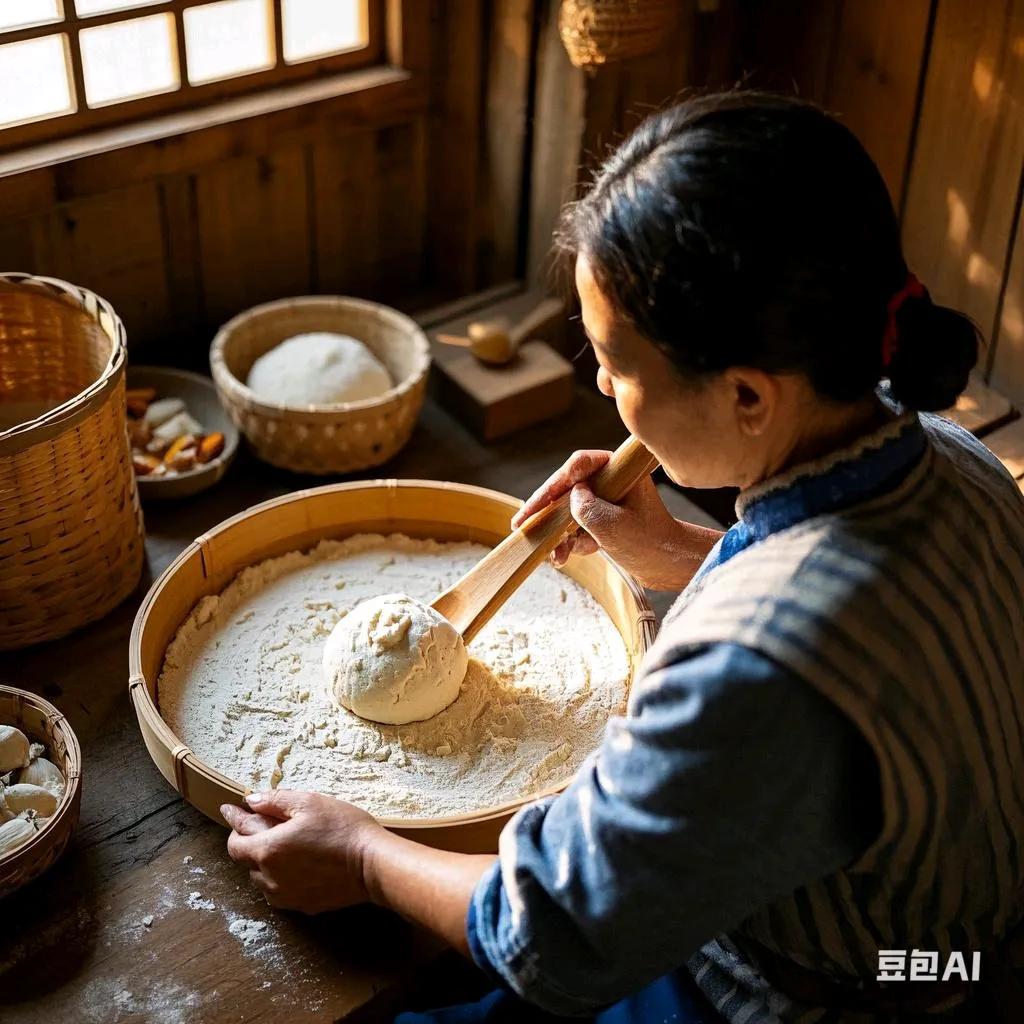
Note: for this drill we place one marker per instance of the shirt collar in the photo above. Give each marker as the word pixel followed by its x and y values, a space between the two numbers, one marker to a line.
pixel 872 465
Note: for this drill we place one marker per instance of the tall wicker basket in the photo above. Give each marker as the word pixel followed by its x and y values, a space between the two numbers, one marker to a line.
pixel 71 545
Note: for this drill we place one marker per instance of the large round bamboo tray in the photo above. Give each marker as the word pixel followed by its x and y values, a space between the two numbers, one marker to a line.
pixel 71 544
pixel 418 508
pixel 340 438
pixel 42 723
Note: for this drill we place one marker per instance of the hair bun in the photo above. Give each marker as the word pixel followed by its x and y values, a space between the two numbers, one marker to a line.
pixel 936 349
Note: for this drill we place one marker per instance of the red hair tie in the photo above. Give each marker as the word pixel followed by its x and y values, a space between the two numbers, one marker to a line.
pixel 912 289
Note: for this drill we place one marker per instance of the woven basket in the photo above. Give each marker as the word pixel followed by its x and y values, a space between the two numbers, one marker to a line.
pixel 595 32
pixel 339 438
pixel 417 508
pixel 71 544
pixel 42 723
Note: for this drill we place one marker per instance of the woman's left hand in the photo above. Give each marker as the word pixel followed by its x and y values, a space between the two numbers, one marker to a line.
pixel 305 851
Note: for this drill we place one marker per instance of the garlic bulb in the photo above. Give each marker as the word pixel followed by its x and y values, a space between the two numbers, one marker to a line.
pixel 15 833
pixel 43 773
pixel 22 797
pixel 14 749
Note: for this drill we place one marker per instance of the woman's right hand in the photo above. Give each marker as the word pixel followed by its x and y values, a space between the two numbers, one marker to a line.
pixel 639 533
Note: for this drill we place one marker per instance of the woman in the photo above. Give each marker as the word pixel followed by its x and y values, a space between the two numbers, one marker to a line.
pixel 823 756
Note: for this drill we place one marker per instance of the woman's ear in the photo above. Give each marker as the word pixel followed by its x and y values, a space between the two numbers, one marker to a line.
pixel 755 396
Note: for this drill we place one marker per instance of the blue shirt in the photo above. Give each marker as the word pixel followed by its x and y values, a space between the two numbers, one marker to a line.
pixel 730 784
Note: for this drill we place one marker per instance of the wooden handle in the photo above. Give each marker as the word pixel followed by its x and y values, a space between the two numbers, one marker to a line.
pixel 471 602
pixel 545 310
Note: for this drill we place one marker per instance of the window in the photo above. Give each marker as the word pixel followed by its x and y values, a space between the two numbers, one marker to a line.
pixel 70 65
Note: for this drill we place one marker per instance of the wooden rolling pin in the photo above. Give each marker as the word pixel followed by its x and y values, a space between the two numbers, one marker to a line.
pixel 471 602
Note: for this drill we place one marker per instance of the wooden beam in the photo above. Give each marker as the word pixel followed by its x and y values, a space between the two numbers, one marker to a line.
pixel 500 203
pixel 557 136
pixel 454 158
pixel 180 143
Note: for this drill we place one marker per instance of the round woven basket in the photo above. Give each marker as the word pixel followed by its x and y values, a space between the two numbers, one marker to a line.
pixel 71 544
pixel 42 723
pixel 339 438
pixel 299 521
pixel 595 32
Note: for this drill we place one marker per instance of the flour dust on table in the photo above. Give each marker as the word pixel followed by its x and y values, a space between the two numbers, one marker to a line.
pixel 243 684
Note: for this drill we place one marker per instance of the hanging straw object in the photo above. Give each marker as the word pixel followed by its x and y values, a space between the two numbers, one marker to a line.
pixel 595 32
pixel 71 543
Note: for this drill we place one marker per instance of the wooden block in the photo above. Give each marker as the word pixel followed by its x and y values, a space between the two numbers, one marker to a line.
pixel 494 401
pixel 1007 444
pixel 979 408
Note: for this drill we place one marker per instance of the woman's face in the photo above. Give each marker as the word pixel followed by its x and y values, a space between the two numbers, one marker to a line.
pixel 709 433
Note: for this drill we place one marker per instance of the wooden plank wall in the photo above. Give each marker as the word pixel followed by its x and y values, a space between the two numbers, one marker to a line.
pixel 422 194
pixel 935 90
pixel 339 211
pixel 412 196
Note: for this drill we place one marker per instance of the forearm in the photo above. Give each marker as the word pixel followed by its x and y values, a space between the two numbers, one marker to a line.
pixel 685 553
pixel 430 887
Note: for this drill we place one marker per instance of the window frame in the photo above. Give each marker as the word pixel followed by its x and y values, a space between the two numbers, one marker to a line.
pixel 186 97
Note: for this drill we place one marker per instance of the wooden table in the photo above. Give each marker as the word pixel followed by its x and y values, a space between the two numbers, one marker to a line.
pixel 78 945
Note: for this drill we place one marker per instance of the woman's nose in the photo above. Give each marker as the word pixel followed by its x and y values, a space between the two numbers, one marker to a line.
pixel 604 382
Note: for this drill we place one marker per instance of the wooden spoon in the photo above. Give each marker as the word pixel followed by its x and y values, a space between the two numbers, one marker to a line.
pixel 497 341
pixel 471 602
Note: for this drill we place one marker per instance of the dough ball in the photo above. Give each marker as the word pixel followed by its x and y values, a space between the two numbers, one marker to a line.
pixel 318 369
pixel 395 660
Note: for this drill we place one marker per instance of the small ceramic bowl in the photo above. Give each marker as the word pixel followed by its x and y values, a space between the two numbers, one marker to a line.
pixel 200 398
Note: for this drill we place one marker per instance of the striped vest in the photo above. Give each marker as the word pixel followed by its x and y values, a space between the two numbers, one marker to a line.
pixel 907 612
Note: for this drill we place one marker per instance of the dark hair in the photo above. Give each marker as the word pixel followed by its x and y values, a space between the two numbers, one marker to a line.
pixel 750 229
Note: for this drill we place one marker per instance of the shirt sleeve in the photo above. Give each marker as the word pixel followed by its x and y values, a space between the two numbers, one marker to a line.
pixel 730 784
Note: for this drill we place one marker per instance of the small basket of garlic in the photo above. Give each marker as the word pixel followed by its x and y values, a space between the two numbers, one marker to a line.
pixel 40 786
pixel 182 440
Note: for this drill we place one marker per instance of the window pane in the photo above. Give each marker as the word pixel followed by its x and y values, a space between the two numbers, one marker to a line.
pixel 129 59
pixel 233 37
pixel 19 13
pixel 85 8
pixel 34 80
pixel 315 28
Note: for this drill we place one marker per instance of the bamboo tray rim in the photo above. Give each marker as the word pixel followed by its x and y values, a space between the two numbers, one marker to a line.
pixel 76 408
pixel 221 372
pixel 72 779
pixel 145 706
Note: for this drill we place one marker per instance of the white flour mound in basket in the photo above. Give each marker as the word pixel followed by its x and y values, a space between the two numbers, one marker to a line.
pixel 242 683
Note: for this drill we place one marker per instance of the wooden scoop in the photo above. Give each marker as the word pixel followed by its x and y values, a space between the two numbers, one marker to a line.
pixel 471 602
pixel 497 341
